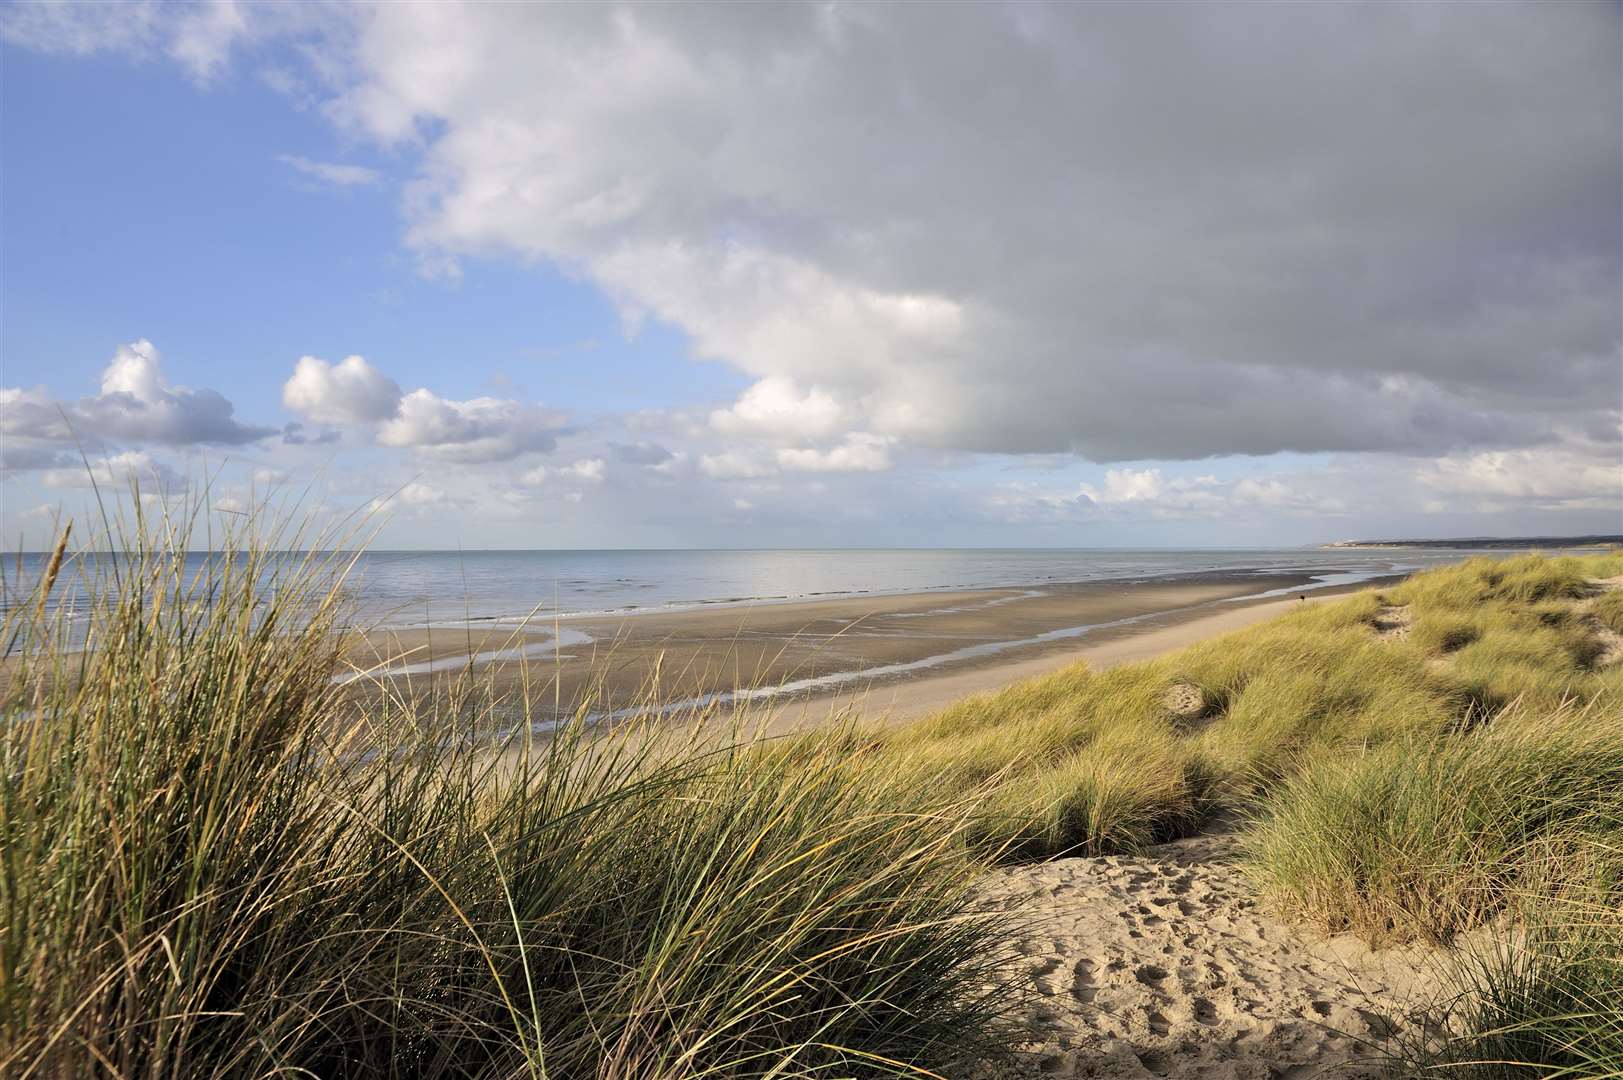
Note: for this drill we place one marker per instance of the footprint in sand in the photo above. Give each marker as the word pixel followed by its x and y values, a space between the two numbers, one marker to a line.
pixel 1150 975
pixel 1250 997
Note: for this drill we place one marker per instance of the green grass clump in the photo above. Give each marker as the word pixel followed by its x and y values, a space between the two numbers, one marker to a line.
pixel 213 864
pixel 1121 792
pixel 1520 580
pixel 1427 838
pixel 1548 1001
pixel 1439 633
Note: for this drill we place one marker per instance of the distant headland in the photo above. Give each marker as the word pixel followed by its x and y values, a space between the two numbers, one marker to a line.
pixel 1518 543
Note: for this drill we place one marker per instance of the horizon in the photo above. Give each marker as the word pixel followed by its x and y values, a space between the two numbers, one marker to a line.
pixel 1596 539
pixel 818 277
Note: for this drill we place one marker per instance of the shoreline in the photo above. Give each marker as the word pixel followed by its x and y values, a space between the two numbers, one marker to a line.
pixel 803 662
pixel 510 621
pixel 897 701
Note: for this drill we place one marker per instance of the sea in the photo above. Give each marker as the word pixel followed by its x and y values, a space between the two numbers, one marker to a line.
pixel 436 588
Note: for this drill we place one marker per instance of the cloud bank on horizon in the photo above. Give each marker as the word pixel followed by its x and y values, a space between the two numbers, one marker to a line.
pixel 1010 269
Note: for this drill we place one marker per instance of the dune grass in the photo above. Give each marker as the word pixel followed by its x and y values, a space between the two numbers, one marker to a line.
pixel 1546 1001
pixel 212 864
pixel 1082 762
pixel 1426 838
pixel 214 861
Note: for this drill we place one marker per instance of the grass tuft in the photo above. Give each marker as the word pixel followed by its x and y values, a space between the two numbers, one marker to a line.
pixel 1425 839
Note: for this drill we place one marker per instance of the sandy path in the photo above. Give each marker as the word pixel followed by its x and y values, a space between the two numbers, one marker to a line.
pixel 1164 965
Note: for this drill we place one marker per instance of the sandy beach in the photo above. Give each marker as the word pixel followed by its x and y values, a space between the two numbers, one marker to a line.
pixel 889 657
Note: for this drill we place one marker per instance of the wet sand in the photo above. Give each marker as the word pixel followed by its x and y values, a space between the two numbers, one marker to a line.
pixel 889 656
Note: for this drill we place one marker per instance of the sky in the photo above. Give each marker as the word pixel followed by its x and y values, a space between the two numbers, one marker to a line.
pixel 817 275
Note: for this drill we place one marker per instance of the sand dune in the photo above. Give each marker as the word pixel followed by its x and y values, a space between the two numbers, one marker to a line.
pixel 1165 965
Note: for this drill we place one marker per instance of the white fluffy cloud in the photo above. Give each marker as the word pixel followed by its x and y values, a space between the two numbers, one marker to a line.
pixel 1152 494
pixel 136 404
pixel 353 393
pixel 860 451
pixel 584 471
pixel 482 429
pixel 775 408
pixel 1548 479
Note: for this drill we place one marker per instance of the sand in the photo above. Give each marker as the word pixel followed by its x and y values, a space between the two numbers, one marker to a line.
pixel 1166 965
pixel 892 657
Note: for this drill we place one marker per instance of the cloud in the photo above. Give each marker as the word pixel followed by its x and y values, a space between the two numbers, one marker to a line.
pixel 117 471
pixel 136 404
pixel 1545 479
pixel 776 408
pixel 480 430
pixel 198 36
pixel 294 434
pixel 1151 494
pixel 1171 233
pixel 734 465
pixel 77 30
pixel 412 497
pixel 17 456
pixel 585 471
pixel 640 453
pixel 859 452
pixel 334 173
pixel 353 393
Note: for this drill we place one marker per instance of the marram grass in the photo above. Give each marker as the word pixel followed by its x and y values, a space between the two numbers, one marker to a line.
pixel 213 864
pixel 1082 762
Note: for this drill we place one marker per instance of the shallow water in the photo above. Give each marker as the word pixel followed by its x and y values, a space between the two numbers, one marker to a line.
pixel 416 588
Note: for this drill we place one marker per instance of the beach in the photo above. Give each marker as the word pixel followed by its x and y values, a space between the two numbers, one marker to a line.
pixel 891 657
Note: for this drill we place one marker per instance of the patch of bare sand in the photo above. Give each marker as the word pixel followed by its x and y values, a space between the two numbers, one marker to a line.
pixel 1184 703
pixel 1165 965
pixel 1608 642
pixel 1393 623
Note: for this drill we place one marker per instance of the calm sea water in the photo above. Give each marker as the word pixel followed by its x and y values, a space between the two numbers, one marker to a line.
pixel 403 588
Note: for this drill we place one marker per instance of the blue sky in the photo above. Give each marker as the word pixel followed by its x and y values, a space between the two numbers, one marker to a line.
pixel 136 201
pixel 616 277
